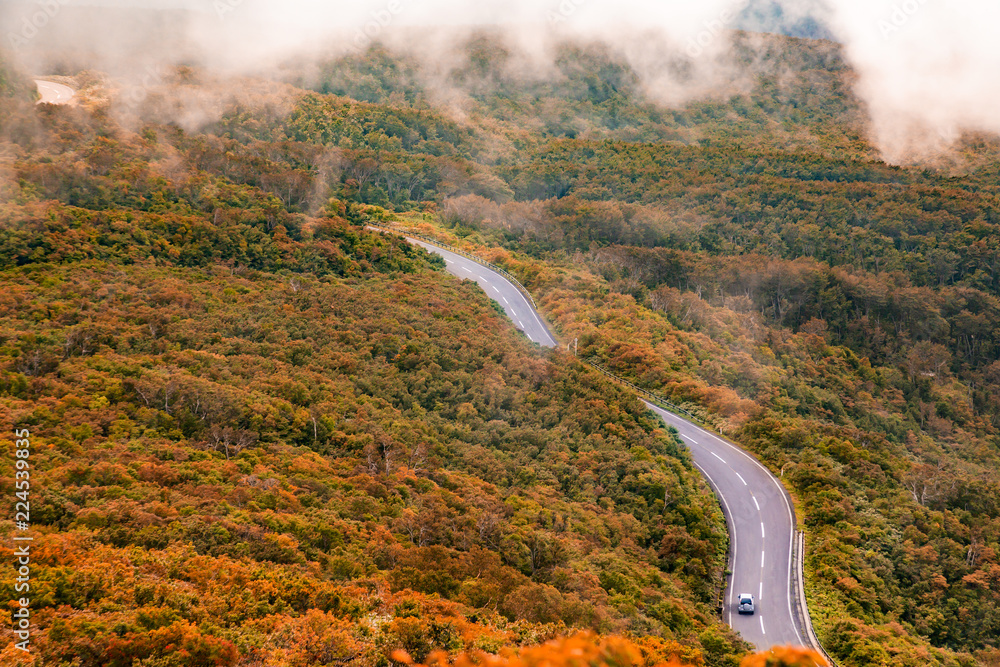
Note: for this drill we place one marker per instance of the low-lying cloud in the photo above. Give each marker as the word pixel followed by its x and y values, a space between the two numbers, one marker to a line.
pixel 926 68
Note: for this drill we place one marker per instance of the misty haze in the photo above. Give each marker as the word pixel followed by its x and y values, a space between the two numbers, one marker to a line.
pixel 426 332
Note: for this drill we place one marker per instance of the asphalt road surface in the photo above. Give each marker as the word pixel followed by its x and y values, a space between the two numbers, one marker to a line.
pixel 501 290
pixel 761 530
pixel 53 93
pixel 758 510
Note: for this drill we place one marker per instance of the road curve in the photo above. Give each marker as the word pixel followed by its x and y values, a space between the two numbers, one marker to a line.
pixel 53 93
pixel 514 303
pixel 761 532
pixel 758 510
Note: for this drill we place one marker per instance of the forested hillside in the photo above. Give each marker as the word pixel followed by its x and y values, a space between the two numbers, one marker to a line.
pixel 294 441
pixel 752 258
pixel 263 436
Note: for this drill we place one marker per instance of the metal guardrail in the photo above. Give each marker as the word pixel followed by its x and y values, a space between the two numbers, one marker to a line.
pixel 655 398
pixel 798 585
pixel 458 251
pixel 798 551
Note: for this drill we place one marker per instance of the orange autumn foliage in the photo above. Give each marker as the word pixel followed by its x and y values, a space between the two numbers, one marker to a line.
pixel 581 650
pixel 588 650
pixel 785 656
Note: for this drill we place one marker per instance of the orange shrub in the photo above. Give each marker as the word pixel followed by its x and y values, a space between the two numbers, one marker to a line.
pixel 785 656
pixel 581 650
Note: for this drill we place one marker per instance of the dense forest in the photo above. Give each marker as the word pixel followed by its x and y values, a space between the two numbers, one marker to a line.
pixel 269 436
pixel 753 259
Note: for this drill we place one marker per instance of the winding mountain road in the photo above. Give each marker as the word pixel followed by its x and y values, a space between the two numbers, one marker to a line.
pixel 758 510
pixel 514 303
pixel 761 531
pixel 53 93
